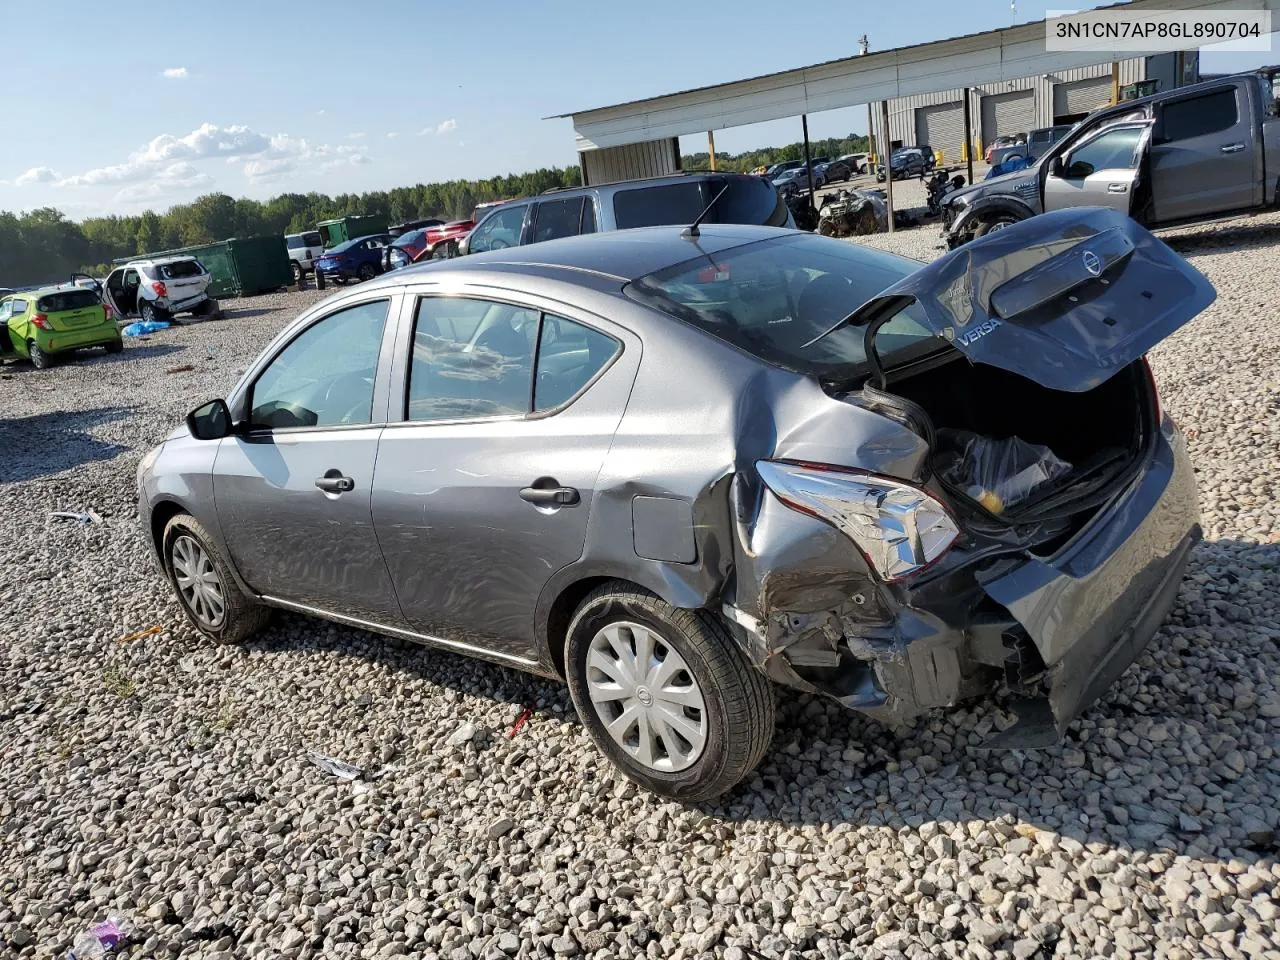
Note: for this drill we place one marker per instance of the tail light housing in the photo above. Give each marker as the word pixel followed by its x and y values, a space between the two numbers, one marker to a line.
pixel 41 320
pixel 160 289
pixel 106 312
pixel 1155 391
pixel 900 529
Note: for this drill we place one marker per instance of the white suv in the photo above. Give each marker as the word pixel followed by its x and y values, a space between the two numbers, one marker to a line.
pixel 304 250
pixel 157 289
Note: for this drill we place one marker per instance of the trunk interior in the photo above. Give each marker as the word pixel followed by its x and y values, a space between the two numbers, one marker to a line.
pixel 1100 435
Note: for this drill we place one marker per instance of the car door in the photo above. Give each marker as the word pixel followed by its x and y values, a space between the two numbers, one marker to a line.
pixel 292 485
pixel 6 338
pixel 483 492
pixel 1204 155
pixel 1100 171
pixel 499 230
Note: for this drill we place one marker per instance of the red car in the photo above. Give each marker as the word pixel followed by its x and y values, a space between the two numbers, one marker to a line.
pixel 442 241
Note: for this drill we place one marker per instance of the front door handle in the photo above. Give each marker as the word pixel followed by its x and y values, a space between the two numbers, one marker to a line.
pixel 334 482
pixel 1118 188
pixel 550 496
pixel 1233 148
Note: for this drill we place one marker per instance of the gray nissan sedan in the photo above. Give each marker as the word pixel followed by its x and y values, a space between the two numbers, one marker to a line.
pixel 678 468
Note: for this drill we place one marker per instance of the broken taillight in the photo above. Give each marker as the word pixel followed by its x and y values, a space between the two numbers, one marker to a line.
pixel 160 289
pixel 41 320
pixel 899 528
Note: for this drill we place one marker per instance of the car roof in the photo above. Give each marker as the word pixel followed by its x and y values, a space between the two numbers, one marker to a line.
pixel 159 261
pixel 620 255
pixel 51 288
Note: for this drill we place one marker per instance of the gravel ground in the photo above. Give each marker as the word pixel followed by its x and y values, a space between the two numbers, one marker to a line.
pixel 168 780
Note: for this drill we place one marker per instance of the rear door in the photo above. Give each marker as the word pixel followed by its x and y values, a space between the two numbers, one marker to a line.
pixel 1205 155
pixel 1066 299
pixel 1103 170
pixel 483 492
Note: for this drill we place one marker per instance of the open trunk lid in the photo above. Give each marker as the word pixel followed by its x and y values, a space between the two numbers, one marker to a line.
pixel 1066 299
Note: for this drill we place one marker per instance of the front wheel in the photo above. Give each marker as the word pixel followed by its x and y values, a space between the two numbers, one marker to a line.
pixel 39 359
pixel 665 694
pixel 205 587
pixel 994 223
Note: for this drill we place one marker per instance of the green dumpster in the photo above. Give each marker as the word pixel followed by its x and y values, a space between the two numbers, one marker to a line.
pixel 239 266
pixel 343 229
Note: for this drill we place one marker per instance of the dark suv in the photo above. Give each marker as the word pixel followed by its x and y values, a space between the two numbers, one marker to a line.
pixel 662 201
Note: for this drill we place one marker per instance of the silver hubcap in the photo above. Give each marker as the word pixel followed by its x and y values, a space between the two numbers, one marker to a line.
pixel 646 696
pixel 198 582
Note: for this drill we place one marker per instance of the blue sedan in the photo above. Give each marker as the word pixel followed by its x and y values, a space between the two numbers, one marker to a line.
pixel 358 259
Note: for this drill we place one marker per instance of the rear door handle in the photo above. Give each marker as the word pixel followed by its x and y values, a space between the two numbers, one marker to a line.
pixel 550 496
pixel 1233 148
pixel 334 482
pixel 1118 188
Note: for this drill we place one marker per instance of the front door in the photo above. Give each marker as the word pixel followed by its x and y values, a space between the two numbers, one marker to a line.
pixel 292 488
pixel 1204 156
pixel 1102 171
pixel 483 493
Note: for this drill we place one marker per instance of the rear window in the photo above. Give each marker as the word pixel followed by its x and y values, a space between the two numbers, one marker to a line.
pixel 774 297
pixel 748 200
pixel 414 238
pixel 67 300
pixel 180 270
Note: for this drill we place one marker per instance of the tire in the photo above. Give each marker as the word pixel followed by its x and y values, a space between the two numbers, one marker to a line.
pixel 997 222
pixel 148 312
pixel 115 346
pixel 39 359
pixel 367 272
pixel 296 269
pixel 445 251
pixel 185 542
pixel 735 719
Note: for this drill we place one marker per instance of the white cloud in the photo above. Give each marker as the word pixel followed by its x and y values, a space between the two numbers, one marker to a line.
pixel 175 73
pixel 447 125
pixel 208 140
pixel 260 171
pixel 175 178
pixel 392 135
pixel 355 136
pixel 35 175
pixel 320 112
pixel 425 131
pixel 345 160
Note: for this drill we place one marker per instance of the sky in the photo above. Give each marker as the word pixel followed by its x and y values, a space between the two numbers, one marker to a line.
pixel 260 98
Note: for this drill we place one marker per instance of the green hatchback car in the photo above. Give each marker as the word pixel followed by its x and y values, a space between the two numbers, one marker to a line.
pixel 38 324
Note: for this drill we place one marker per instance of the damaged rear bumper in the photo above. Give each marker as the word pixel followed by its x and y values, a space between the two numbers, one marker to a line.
pixel 1056 630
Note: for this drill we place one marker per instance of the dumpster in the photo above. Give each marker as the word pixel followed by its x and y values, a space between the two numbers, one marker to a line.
pixel 343 229
pixel 239 266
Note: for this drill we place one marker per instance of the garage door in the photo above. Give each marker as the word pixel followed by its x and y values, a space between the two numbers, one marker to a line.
pixel 1073 100
pixel 1008 113
pixel 942 127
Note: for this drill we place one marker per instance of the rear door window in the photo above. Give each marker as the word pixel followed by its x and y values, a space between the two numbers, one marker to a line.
pixel 554 219
pixel 1200 116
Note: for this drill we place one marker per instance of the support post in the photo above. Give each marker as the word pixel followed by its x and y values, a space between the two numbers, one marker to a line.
pixel 1115 81
pixel 871 140
pixel 808 167
pixel 968 134
pixel 886 155
pixel 711 147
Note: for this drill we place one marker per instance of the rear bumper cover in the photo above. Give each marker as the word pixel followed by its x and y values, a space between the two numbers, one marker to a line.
pixel 1058 630
pixel 95 336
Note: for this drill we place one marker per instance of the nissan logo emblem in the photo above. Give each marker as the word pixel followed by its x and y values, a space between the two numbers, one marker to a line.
pixel 1092 263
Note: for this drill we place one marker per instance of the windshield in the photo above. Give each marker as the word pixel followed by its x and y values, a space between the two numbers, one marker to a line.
pixel 773 297
pixel 69 300
pixel 180 269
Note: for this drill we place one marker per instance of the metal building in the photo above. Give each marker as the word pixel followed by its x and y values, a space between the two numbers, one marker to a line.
pixel 1016 106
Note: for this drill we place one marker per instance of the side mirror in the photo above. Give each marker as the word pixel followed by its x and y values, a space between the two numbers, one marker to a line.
pixel 210 422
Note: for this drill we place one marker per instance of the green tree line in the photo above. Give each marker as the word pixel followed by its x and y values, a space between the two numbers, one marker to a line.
pixel 43 246
pixel 748 160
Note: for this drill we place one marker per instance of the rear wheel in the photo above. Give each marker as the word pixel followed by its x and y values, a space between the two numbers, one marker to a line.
pixel 39 359
pixel 205 587
pixel 665 693
pixel 296 267
pixel 115 346
pixel 148 312
pixel 367 271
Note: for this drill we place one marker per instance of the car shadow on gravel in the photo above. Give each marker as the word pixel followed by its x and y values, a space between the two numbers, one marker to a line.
pixel 49 443
pixel 1234 237
pixel 142 350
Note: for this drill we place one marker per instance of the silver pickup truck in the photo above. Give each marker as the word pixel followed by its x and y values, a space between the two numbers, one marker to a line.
pixel 1200 152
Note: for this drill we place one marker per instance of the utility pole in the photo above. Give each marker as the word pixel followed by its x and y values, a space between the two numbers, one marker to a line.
pixel 864 47
pixel 711 147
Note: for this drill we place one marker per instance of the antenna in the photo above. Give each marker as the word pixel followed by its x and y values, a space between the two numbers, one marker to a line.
pixel 691 230
pixel 864 45
pixel 1013 6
